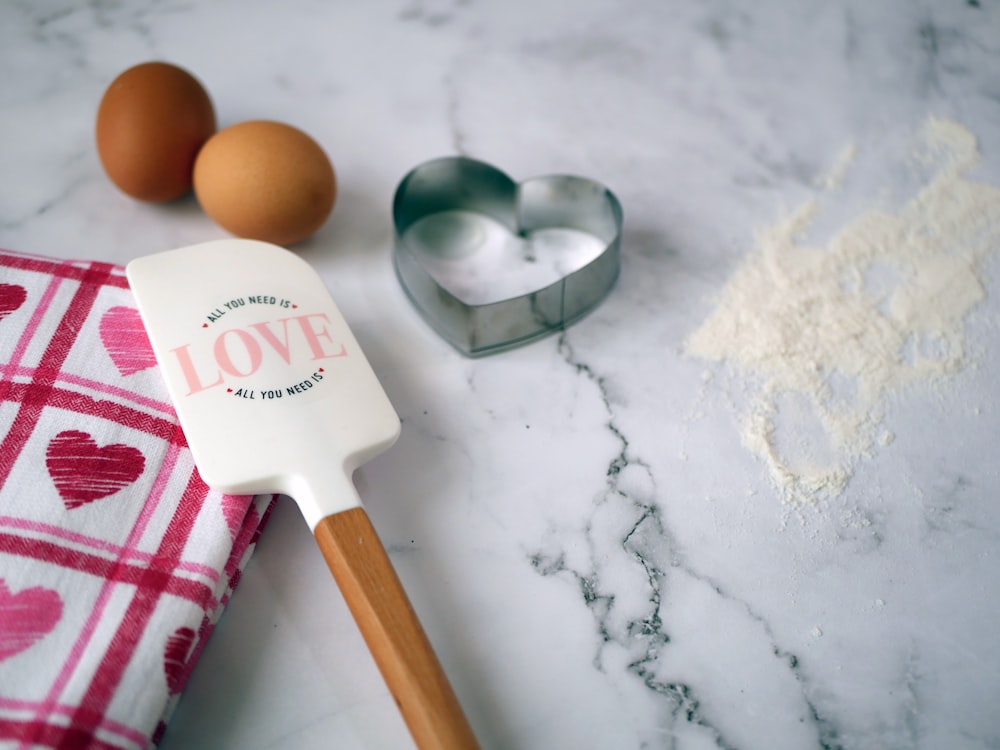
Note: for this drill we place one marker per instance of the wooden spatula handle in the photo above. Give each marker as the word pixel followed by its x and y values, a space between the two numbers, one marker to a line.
pixel 394 635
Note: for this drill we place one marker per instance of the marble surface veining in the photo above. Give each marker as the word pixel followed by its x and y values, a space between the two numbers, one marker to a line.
pixel 598 559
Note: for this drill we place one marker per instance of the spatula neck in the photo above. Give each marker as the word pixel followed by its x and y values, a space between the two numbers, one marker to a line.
pixel 322 494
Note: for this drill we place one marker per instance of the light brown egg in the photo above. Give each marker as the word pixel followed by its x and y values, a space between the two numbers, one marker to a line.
pixel 265 180
pixel 151 122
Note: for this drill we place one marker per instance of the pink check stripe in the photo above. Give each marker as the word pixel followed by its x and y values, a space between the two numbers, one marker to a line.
pixel 90 384
pixel 80 403
pixel 116 571
pixel 22 345
pixel 121 552
pixel 66 269
pixel 108 725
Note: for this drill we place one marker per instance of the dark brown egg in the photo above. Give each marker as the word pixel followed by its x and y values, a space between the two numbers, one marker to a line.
pixel 151 123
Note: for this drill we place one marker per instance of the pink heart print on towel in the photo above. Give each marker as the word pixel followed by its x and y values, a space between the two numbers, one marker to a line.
pixel 175 658
pixel 12 297
pixel 125 339
pixel 26 617
pixel 83 471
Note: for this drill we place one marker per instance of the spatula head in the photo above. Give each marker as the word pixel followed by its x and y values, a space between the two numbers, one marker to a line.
pixel 271 388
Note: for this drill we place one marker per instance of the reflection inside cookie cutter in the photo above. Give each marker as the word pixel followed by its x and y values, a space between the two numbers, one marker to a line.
pixel 490 263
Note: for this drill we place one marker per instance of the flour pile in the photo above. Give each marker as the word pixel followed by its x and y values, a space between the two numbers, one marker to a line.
pixel 826 332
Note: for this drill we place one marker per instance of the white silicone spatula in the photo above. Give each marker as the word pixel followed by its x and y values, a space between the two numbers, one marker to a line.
pixel 274 395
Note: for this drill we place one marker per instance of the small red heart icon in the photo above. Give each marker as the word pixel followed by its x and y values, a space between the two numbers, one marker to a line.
pixel 25 617
pixel 175 658
pixel 12 296
pixel 204 325
pixel 125 340
pixel 229 390
pixel 83 471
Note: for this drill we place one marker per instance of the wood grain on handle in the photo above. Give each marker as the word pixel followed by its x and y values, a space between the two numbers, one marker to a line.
pixel 394 635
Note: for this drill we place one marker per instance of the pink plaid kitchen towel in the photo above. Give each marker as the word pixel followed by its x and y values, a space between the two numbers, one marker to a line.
pixel 115 559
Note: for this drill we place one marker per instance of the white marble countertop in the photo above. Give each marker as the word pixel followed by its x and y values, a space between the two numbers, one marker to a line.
pixel 599 558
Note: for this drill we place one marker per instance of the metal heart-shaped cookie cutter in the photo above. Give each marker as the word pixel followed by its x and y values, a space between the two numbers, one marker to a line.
pixel 460 184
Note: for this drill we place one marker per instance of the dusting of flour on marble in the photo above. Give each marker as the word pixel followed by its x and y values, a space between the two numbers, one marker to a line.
pixel 835 178
pixel 825 333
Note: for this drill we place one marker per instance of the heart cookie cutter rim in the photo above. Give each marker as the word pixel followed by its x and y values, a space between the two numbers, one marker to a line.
pixel 551 201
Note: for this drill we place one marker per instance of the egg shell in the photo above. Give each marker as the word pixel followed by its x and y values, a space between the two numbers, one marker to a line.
pixel 151 122
pixel 265 180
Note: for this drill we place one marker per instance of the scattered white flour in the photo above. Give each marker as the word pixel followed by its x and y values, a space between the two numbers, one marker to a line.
pixel 826 332
pixel 835 178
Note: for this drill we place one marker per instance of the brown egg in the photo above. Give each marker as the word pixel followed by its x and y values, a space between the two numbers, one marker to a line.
pixel 266 181
pixel 150 124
